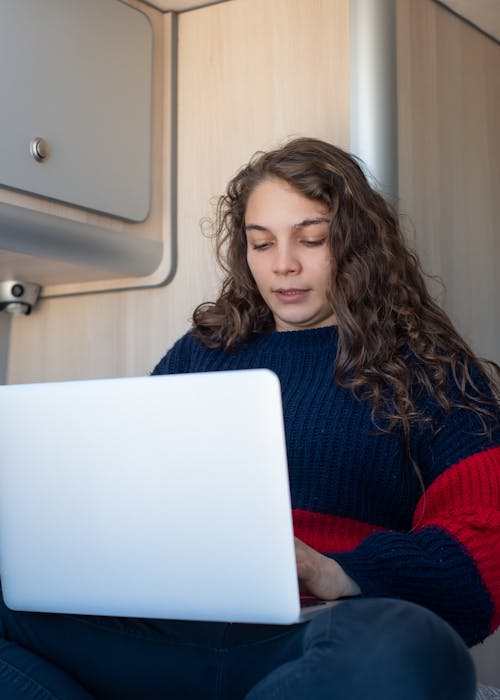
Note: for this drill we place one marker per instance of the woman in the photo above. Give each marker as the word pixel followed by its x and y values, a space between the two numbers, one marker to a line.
pixel 393 442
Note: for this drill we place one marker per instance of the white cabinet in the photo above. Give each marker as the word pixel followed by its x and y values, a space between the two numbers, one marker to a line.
pixel 77 74
pixel 85 143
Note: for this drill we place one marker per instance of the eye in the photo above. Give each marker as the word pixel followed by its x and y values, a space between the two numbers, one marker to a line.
pixel 260 246
pixel 313 243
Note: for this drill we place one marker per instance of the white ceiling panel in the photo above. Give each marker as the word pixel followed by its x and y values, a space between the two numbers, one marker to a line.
pixel 179 5
pixel 485 14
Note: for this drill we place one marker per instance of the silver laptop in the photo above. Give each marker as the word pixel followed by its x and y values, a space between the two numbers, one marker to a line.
pixel 163 497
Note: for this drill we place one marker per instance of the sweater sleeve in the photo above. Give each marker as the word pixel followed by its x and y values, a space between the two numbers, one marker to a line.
pixel 450 560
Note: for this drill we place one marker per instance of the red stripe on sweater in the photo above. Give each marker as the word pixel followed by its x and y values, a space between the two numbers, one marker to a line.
pixel 330 533
pixel 465 501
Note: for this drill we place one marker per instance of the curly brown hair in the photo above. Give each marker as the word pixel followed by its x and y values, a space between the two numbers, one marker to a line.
pixel 394 340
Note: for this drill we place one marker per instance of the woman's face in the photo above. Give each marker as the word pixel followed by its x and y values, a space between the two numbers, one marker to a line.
pixel 288 254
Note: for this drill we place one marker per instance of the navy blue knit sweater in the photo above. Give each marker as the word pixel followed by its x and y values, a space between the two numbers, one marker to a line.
pixel 356 497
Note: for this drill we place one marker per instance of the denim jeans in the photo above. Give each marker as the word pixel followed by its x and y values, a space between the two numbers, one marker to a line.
pixel 361 649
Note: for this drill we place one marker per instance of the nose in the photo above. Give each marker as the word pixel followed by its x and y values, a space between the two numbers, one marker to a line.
pixel 285 261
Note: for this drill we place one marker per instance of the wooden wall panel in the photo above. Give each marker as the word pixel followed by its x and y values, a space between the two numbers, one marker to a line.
pixel 251 73
pixel 449 167
pixel 449 161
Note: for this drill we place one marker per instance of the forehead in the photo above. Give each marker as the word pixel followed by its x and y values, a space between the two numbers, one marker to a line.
pixel 277 199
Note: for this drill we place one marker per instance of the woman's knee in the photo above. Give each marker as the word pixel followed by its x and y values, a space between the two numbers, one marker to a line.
pixel 395 645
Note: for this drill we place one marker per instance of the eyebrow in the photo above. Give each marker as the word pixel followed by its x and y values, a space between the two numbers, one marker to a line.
pixel 300 224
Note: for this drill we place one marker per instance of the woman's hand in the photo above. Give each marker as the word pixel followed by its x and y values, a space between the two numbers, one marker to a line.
pixel 321 576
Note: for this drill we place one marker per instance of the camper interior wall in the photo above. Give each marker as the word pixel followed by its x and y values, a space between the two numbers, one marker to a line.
pixel 449 162
pixel 237 94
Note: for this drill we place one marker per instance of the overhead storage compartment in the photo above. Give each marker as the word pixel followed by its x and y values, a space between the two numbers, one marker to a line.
pixel 85 144
pixel 75 123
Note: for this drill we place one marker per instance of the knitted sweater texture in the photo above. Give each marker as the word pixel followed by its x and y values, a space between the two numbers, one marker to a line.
pixel 355 495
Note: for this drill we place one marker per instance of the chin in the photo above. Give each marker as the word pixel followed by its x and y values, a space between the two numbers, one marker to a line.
pixel 296 325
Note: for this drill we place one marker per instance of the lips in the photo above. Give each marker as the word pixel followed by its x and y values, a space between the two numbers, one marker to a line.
pixel 290 295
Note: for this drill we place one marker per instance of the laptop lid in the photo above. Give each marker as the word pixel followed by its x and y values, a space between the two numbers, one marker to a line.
pixel 161 497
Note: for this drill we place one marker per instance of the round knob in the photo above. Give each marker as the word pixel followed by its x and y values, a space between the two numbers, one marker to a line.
pixel 39 149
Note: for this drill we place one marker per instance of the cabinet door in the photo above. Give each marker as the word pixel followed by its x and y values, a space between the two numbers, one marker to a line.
pixel 77 74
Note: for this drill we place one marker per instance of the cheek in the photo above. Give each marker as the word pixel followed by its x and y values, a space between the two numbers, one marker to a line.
pixel 251 266
pixel 256 266
pixel 255 271
pixel 325 267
